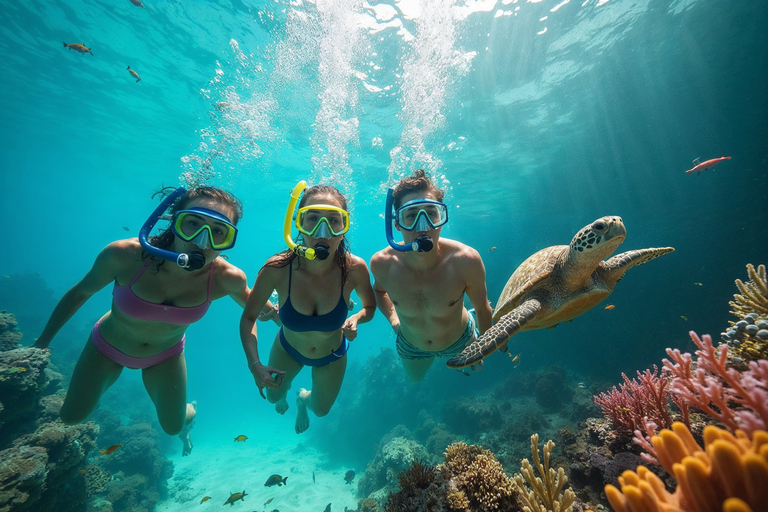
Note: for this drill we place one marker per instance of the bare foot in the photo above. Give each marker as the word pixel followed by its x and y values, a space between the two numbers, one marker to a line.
pixel 281 406
pixel 302 417
pixel 186 439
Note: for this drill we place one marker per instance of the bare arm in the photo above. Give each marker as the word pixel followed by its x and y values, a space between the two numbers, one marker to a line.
pixel 477 291
pixel 103 272
pixel 383 302
pixel 257 299
pixel 361 281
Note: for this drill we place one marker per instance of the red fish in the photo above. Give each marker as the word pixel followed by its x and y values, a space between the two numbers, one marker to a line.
pixel 701 166
pixel 110 449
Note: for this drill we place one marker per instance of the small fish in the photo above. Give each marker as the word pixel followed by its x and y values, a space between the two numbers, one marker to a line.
pixel 82 471
pixel 514 359
pixel 492 249
pixel 268 501
pixel 313 477
pixel 581 385
pixel 241 438
pixel 78 47
pixel 222 105
pixel 233 497
pixel 126 228
pixel 205 498
pixel 699 166
pixel 737 360
pixel 609 307
pixel 134 74
pixel 276 480
pixel 110 449
pixel 349 476
pixel 698 284
pixel 137 3
pixel 17 369
pixel 327 508
pixel 684 317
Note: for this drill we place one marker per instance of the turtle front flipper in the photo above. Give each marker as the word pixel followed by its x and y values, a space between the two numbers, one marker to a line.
pixel 497 336
pixel 618 265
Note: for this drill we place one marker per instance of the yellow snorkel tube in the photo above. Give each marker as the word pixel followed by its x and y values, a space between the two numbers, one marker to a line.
pixel 320 253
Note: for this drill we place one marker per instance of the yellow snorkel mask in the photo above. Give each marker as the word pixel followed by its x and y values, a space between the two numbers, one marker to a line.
pixel 318 221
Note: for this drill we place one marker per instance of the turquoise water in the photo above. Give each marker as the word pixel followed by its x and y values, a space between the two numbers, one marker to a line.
pixel 537 117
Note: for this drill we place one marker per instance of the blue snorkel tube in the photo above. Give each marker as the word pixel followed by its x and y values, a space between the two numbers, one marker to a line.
pixel 421 244
pixel 192 261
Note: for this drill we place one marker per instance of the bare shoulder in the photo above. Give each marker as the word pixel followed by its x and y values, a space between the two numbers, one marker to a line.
pixel 357 264
pixel 382 260
pixel 458 250
pixel 122 252
pixel 228 273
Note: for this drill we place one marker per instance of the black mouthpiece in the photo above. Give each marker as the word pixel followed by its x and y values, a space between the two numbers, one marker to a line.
pixel 424 244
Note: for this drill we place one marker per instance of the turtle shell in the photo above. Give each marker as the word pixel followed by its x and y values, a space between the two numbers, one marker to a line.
pixel 534 272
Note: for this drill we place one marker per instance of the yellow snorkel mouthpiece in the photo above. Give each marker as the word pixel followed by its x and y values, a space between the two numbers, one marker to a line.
pixel 300 250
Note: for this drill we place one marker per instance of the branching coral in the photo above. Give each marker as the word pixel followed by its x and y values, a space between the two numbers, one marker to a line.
pixel 730 474
pixel 648 397
pixel 738 400
pixel 754 293
pixel 545 494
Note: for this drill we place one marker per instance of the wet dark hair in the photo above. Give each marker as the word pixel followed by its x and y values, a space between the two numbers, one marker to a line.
pixel 284 258
pixel 416 182
pixel 223 198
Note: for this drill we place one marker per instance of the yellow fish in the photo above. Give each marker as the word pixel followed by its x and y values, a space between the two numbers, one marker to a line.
pixel 241 438
pixel 581 385
pixel 17 369
pixel 205 498
pixel 698 284
pixel 78 47
pixel 493 249
pixel 514 359
pixel 609 307
pixel 684 317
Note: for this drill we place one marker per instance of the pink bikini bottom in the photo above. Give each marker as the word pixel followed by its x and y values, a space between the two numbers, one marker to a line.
pixel 129 361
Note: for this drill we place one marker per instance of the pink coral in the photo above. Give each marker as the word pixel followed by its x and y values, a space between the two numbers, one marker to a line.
pixel 737 400
pixel 648 397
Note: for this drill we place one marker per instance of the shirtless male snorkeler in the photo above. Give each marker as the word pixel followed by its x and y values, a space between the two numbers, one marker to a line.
pixel 422 293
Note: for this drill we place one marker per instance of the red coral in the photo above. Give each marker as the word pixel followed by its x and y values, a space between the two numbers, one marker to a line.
pixel 648 397
pixel 737 400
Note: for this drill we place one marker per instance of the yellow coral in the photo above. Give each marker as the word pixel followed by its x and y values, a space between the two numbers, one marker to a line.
pixel 729 475
pixel 545 495
pixel 754 293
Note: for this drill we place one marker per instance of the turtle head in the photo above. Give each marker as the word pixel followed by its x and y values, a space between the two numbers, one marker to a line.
pixel 600 238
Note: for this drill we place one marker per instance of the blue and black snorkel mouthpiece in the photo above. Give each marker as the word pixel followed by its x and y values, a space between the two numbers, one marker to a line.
pixel 194 260
pixel 421 244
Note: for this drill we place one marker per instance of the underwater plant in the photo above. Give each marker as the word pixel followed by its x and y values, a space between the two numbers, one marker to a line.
pixel 543 493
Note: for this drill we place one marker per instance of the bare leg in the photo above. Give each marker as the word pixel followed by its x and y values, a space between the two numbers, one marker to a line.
pixel 416 369
pixel 166 384
pixel 186 439
pixel 326 383
pixel 93 375
pixel 279 358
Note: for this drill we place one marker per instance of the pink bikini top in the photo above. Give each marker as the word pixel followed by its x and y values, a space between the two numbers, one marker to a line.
pixel 140 309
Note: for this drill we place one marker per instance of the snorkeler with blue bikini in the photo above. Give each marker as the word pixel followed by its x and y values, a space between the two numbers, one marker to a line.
pixel 161 285
pixel 421 283
pixel 314 279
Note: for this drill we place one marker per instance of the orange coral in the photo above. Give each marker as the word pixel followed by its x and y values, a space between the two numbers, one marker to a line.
pixel 729 475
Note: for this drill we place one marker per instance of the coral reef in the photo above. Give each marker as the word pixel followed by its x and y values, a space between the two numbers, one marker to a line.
pixel 470 479
pixel 737 400
pixel 546 491
pixel 729 474
pixel 9 335
pixel 394 456
pixel 647 397
pixel 747 339
pixel 754 293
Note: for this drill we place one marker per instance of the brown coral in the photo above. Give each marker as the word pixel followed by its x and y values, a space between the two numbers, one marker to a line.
pixel 754 293
pixel 546 493
pixel 476 472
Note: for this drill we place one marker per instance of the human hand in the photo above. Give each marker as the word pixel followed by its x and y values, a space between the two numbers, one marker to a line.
pixel 350 328
pixel 269 314
pixel 263 376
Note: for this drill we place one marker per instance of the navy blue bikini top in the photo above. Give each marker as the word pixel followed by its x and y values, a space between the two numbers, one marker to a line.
pixel 297 322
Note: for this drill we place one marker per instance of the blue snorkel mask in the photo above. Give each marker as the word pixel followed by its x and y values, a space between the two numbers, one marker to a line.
pixel 193 225
pixel 421 244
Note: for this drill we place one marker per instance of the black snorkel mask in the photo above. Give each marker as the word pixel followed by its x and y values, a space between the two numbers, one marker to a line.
pixel 194 260
pixel 421 244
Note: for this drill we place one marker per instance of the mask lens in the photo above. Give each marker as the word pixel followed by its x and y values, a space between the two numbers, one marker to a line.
pixel 435 213
pixel 189 224
pixel 310 218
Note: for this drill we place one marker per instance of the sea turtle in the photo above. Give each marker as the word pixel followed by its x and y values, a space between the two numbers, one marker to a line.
pixel 558 284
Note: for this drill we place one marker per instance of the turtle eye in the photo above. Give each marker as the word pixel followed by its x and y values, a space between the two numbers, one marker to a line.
pixel 599 226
